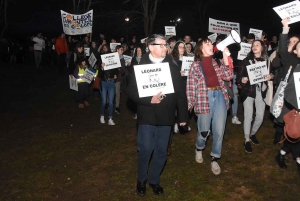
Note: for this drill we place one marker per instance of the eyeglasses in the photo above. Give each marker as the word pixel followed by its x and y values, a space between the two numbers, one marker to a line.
pixel 161 45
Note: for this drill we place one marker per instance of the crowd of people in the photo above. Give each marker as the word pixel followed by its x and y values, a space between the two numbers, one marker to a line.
pixel 203 92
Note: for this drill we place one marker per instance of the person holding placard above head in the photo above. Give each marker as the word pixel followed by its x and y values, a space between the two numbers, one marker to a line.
pixel 107 89
pixel 207 94
pixel 83 86
pixel 287 58
pixel 156 116
pixel 252 94
pixel 289 53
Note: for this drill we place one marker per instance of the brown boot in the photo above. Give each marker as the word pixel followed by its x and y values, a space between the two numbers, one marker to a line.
pixel 81 105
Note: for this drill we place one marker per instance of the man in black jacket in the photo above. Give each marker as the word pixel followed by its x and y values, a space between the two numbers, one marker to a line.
pixel 155 117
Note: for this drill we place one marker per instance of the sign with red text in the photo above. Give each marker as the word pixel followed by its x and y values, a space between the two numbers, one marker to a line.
pixel 222 27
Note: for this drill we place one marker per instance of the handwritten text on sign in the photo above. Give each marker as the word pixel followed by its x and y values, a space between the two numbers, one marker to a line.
pixel 77 24
pixel 290 10
pixel 153 78
pixel 257 72
pixel 186 64
pixel 170 30
pixel 245 49
pixel 111 61
pixel 88 76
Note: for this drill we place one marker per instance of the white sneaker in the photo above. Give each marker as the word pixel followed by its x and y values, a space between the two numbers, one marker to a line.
pixel 176 130
pixel 111 122
pixel 235 120
pixel 198 156
pixel 189 128
pixel 215 168
pixel 102 121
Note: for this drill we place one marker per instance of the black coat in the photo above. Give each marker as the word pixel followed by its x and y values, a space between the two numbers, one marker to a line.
pixel 164 112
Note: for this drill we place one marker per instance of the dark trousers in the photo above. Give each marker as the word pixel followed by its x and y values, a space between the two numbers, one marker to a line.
pixel 292 147
pixel 152 139
pixel 61 62
pixel 82 93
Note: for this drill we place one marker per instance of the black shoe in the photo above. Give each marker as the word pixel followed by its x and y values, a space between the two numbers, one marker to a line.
pixel 254 140
pixel 141 188
pixel 280 160
pixel 248 147
pixel 277 138
pixel 157 189
pixel 117 110
pixel 106 106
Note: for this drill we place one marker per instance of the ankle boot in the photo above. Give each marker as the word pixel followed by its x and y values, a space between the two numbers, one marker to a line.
pixel 280 160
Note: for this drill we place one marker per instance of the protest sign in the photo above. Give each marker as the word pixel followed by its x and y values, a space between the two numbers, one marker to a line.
pixel 111 61
pixel 222 27
pixel 257 72
pixel 193 43
pixel 245 49
pixel 256 32
pixel 213 37
pixel 87 51
pixel 92 60
pixel 153 78
pixel 73 83
pixel 297 87
pixel 186 64
pixel 170 30
pixel 88 76
pixel 77 24
pixel 127 59
pixel 290 10
pixel 144 40
pixel 113 46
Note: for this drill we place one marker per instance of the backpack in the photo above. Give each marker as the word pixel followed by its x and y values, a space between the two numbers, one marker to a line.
pixel 292 126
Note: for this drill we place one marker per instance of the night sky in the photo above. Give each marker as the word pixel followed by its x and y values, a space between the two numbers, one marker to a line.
pixel 44 16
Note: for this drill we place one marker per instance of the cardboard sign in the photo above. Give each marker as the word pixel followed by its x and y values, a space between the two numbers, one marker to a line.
pixel 73 83
pixel 193 43
pixel 88 76
pixel 213 37
pixel 92 60
pixel 170 30
pixel 153 78
pixel 257 72
pixel 186 64
pixel 256 32
pixel 87 51
pixel 113 46
pixel 222 27
pixel 127 59
pixel 245 49
pixel 290 10
pixel 111 61
pixel 297 87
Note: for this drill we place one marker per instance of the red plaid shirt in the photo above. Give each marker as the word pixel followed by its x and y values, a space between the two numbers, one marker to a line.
pixel 196 90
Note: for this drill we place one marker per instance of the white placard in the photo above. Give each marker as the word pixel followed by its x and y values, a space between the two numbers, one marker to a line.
pixel 144 40
pixel 92 60
pixel 77 24
pixel 257 72
pixel 245 49
pixel 153 78
pixel 213 37
pixel 127 59
pixel 170 30
pixel 297 87
pixel 111 61
pixel 193 43
pixel 88 76
pixel 186 64
pixel 113 46
pixel 256 32
pixel 290 10
pixel 73 83
pixel 87 51
pixel 222 27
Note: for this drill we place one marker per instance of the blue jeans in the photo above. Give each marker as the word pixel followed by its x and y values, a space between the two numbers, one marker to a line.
pixel 152 139
pixel 107 88
pixel 235 104
pixel 217 116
